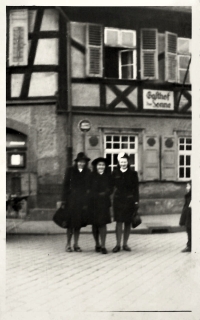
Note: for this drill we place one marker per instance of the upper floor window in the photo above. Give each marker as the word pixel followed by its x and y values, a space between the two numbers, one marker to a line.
pixel 120 53
pixel 163 56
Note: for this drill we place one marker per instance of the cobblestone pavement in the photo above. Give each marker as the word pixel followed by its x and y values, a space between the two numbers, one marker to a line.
pixel 48 283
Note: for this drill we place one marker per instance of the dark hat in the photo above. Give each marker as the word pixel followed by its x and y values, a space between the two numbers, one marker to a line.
pixel 122 155
pixel 81 156
pixel 100 159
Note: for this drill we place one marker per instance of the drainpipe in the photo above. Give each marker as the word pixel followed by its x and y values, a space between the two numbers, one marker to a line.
pixel 69 103
pixel 179 99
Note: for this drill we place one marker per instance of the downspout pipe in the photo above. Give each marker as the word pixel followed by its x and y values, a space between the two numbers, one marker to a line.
pixel 69 100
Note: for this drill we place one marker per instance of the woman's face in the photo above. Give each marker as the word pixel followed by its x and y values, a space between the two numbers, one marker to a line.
pixel 123 163
pixel 101 167
pixel 81 164
pixel 188 187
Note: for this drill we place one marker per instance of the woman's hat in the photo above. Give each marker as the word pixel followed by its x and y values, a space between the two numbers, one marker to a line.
pixel 122 155
pixel 100 159
pixel 81 156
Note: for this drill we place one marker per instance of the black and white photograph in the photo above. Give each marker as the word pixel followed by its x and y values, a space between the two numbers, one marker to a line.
pixel 99 161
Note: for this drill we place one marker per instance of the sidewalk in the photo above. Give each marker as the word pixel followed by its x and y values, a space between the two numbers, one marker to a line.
pixel 150 224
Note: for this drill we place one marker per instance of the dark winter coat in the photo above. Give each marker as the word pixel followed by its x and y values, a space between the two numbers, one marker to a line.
pixel 101 189
pixel 75 194
pixel 126 194
pixel 185 219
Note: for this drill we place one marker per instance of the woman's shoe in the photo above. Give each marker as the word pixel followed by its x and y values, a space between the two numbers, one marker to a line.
pixel 116 249
pixel 187 249
pixel 68 249
pixel 98 248
pixel 104 250
pixel 126 248
pixel 77 249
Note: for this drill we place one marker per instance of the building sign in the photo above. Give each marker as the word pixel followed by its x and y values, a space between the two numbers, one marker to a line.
pixel 158 100
pixel 84 125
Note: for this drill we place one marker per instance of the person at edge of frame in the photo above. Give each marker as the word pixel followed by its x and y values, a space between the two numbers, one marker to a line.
pixel 125 201
pixel 185 219
pixel 100 203
pixel 75 197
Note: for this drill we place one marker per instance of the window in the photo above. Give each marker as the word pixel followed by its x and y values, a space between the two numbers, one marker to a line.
pixel 16 159
pixel 16 148
pixel 113 144
pixel 184 158
pixel 120 53
pixel 127 64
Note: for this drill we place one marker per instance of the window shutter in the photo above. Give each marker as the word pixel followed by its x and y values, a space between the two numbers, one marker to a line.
pixel 18 37
pixel 94 55
pixel 149 54
pixel 120 38
pixel 161 56
pixel 151 158
pixel 111 37
pixel 170 57
pixel 183 63
pixel 128 38
pixel 169 158
pixel 184 46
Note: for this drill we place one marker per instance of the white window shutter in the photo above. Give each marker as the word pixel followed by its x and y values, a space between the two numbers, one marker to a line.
pixel 184 46
pixel 149 54
pixel 111 37
pixel 169 158
pixel 94 53
pixel 120 38
pixel 161 56
pixel 151 169
pixel 170 57
pixel 183 68
pixel 128 38
pixel 18 37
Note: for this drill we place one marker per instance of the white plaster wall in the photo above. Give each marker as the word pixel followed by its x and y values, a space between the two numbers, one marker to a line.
pixel 16 84
pixel 47 52
pixel 50 20
pixel 85 95
pixel 43 84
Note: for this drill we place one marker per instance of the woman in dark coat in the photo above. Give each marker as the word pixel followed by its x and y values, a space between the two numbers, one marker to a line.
pixel 185 219
pixel 125 200
pixel 75 196
pixel 101 189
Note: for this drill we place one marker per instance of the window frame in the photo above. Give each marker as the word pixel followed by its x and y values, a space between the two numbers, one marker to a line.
pixel 117 151
pixel 9 155
pixel 184 153
pixel 134 64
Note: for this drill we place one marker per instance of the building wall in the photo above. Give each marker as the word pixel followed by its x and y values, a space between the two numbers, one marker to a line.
pixel 37 103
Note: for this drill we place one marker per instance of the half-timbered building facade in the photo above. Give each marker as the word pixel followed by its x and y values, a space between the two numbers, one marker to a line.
pixel 124 72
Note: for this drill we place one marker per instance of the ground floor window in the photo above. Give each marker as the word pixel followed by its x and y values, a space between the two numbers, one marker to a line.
pixel 115 143
pixel 184 158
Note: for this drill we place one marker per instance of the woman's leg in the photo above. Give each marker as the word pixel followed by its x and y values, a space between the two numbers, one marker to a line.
pixel 127 230
pixel 95 233
pixel 76 237
pixel 69 238
pixel 189 243
pixel 103 231
pixel 118 237
pixel 118 232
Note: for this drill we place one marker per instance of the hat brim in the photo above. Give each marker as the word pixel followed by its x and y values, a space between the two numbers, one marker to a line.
pixel 82 159
pixel 100 159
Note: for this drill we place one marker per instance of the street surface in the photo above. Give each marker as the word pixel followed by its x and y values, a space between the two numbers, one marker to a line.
pixel 48 283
